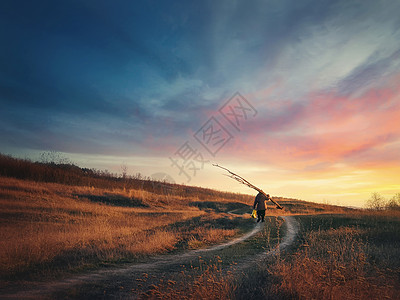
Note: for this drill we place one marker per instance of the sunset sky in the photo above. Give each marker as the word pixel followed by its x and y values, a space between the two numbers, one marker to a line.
pixel 299 97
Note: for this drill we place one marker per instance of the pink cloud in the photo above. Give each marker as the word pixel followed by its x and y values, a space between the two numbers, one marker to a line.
pixel 328 128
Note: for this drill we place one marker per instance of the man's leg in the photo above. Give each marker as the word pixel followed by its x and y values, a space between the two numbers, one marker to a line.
pixel 258 215
pixel 262 215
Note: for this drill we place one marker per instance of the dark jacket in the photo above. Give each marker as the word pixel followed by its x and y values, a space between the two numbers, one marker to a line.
pixel 260 202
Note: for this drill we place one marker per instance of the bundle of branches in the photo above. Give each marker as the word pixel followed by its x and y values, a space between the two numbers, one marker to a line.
pixel 241 180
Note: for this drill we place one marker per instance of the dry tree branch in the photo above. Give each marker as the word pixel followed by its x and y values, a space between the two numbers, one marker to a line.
pixel 241 180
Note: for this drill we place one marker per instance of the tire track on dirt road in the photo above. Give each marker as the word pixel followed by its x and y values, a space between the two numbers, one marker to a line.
pixel 44 290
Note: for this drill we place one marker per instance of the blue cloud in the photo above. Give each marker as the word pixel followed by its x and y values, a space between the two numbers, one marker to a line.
pixel 144 65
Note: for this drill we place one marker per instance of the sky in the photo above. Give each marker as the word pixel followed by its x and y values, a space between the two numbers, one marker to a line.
pixel 299 97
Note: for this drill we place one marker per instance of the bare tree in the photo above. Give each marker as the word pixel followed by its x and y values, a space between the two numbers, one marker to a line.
pixel 376 202
pixel 124 170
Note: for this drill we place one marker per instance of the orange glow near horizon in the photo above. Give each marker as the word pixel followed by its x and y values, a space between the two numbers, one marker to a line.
pixel 333 149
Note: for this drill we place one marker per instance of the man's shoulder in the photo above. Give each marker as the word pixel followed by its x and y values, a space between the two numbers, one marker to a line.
pixel 261 196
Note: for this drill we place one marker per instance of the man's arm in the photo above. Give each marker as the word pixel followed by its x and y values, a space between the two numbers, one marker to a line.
pixel 255 203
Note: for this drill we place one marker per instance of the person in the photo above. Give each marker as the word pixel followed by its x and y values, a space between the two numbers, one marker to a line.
pixel 260 203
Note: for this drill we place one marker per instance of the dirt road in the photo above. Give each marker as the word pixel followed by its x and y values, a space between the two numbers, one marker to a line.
pixel 157 265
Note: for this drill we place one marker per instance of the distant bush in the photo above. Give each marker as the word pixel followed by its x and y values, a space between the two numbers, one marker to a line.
pixel 394 202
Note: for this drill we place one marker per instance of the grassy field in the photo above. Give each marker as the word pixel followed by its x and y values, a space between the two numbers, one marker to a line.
pixel 48 228
pixel 348 256
pixel 61 220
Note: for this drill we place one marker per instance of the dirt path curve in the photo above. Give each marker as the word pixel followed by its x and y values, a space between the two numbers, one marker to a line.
pixel 44 290
pixel 292 230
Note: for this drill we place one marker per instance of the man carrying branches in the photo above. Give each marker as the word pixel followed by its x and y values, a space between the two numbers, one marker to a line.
pixel 261 198
pixel 260 203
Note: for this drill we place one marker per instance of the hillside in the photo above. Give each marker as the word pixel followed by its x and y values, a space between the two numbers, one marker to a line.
pixel 59 218
pixel 72 175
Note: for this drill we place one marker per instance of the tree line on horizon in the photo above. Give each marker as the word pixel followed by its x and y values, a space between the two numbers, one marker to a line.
pixel 378 202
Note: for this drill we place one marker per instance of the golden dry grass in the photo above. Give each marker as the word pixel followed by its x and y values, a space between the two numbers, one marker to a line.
pixel 204 236
pixel 45 227
pixel 347 261
pixel 333 265
pixel 207 281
